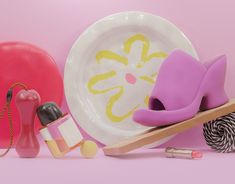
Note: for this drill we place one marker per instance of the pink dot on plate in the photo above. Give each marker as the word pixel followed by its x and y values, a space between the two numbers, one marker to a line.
pixel 130 78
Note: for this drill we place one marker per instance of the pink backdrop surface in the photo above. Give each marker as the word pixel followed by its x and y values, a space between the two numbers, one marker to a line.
pixel 54 25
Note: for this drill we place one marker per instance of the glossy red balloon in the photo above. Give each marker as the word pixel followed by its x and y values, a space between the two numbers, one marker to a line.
pixel 32 66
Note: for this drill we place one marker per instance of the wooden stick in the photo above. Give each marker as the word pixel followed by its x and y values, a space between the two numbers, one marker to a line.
pixel 156 134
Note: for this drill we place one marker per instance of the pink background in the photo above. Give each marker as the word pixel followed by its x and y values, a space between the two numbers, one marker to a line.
pixel 54 25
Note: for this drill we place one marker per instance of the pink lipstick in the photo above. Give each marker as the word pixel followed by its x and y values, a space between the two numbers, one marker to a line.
pixel 182 153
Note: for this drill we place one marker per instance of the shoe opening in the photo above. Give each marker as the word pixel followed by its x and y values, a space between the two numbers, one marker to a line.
pixel 155 104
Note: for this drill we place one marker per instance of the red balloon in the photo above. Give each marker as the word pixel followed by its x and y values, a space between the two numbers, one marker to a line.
pixel 30 65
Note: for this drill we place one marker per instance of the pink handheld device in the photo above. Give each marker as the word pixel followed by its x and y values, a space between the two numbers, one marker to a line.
pixel 27 102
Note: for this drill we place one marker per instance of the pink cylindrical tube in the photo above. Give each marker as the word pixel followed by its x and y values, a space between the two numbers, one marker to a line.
pixel 27 102
pixel 182 153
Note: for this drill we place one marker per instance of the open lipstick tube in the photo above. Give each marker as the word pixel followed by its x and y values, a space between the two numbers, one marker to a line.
pixel 182 153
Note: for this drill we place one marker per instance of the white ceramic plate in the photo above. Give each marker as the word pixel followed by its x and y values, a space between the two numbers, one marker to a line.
pixel 111 69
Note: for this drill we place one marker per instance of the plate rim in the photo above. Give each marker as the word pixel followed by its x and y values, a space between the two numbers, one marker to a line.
pixel 92 29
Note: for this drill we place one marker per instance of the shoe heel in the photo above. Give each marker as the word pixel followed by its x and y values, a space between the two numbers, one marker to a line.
pixel 214 84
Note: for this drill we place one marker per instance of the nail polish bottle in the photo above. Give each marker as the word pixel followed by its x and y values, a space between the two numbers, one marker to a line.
pixel 59 131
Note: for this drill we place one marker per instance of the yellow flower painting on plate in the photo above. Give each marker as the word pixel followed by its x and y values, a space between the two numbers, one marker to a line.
pixel 130 78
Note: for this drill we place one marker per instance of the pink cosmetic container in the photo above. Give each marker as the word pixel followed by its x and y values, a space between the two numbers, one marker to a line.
pixel 60 132
pixel 27 145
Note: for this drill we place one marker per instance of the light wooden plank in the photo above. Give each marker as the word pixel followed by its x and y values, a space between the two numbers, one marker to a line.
pixel 156 134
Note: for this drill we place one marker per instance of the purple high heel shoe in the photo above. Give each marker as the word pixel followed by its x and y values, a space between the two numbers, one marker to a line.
pixel 184 86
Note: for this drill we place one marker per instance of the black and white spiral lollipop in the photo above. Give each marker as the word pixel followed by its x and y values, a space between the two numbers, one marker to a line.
pixel 220 133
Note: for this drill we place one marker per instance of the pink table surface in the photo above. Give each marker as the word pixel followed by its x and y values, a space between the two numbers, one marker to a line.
pixel 143 166
pixel 54 25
